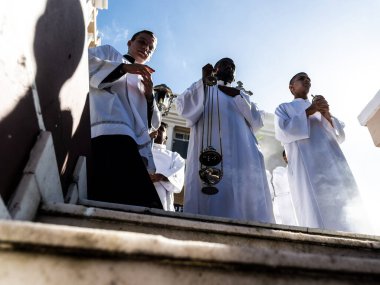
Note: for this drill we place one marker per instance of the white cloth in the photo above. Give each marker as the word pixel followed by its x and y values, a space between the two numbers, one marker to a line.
pixel 276 212
pixel 282 197
pixel 119 107
pixel 243 190
pixel 324 191
pixel 171 165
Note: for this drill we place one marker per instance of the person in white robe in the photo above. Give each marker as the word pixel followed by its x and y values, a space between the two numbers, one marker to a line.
pixel 324 191
pixel 276 212
pixel 170 169
pixel 122 113
pixel 222 117
pixel 282 196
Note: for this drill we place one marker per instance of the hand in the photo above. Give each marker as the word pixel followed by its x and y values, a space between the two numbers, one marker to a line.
pixel 137 68
pixel 158 177
pixel 230 91
pixel 146 73
pixel 153 135
pixel 207 71
pixel 148 88
pixel 319 104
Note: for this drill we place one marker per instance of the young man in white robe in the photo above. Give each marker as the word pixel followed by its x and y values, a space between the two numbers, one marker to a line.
pixel 223 118
pixel 122 112
pixel 170 169
pixel 324 191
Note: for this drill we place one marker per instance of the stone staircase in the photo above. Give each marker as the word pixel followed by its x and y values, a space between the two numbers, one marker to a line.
pixel 49 239
pixel 76 244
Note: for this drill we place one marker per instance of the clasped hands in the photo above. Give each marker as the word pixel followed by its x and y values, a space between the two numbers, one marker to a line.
pixel 319 104
pixel 158 177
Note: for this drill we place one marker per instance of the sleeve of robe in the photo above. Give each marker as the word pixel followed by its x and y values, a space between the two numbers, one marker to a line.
pixel 156 118
pixel 190 103
pixel 292 128
pixel 339 129
pixel 289 129
pixel 175 173
pixel 250 111
pixel 102 61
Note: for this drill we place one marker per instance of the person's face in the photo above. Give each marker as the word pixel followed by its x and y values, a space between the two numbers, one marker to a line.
pixel 300 86
pixel 285 158
pixel 142 47
pixel 225 70
pixel 161 135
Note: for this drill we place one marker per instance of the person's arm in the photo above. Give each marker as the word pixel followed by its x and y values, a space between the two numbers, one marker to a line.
pixel 206 72
pixel 230 91
pixel 290 128
pixel 249 111
pixel 157 177
pixel 150 110
pixel 319 104
pixel 339 129
pixel 133 68
pixel 189 104
pixel 115 74
pixel 174 176
pixel 103 60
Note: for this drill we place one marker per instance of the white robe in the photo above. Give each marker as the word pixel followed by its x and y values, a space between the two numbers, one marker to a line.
pixel 119 107
pixel 243 190
pixel 282 197
pixel 276 212
pixel 171 165
pixel 324 191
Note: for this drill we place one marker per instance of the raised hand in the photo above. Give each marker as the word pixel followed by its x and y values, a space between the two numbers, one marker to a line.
pixel 148 87
pixel 153 134
pixel 137 68
pixel 207 71
pixel 146 73
pixel 319 104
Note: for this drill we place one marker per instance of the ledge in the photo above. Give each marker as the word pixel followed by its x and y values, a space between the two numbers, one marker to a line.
pixel 95 242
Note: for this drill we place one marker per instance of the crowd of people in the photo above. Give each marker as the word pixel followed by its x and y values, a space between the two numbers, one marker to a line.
pixel 224 174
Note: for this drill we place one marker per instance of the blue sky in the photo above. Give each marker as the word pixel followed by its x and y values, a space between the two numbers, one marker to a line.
pixel 337 42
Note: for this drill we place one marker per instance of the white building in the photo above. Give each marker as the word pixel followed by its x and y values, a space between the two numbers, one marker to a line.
pixel 370 117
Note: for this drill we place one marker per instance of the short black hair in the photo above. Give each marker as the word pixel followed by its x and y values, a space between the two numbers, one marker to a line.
pixel 143 32
pixel 165 125
pixel 223 59
pixel 295 76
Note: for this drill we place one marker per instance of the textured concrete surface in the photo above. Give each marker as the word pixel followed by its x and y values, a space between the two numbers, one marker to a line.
pixel 182 226
pixel 53 254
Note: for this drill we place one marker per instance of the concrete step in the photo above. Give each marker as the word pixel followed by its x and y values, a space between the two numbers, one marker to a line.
pixel 61 254
pixel 187 227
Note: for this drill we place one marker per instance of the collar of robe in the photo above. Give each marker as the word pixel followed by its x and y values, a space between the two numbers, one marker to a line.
pixel 221 82
pixel 161 146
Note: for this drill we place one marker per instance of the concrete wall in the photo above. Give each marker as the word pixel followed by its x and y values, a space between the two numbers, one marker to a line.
pixel 44 82
pixel 370 117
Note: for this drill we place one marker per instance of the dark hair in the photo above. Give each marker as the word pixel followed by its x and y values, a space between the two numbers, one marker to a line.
pixel 143 32
pixel 165 125
pixel 295 76
pixel 223 59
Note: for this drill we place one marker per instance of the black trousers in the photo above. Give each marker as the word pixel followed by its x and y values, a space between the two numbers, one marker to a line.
pixel 119 173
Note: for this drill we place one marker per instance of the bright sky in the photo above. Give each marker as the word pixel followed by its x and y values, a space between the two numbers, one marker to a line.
pixel 337 42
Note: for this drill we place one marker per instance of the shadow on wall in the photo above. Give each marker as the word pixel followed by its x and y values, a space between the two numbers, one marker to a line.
pixel 58 46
